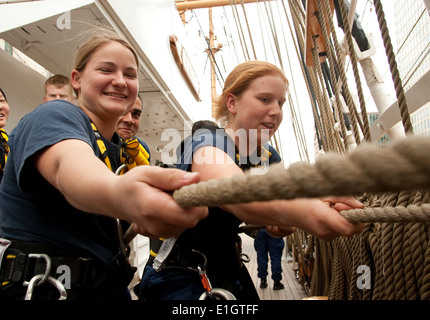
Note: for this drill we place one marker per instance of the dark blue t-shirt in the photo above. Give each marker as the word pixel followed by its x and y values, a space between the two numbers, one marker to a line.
pixel 31 209
pixel 216 235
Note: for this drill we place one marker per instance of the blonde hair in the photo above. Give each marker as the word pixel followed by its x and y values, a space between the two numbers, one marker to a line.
pixel 239 80
pixel 99 37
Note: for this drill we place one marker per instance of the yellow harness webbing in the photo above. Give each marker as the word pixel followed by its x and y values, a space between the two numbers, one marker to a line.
pixel 102 147
pixel 262 152
pixel 4 139
pixel 132 152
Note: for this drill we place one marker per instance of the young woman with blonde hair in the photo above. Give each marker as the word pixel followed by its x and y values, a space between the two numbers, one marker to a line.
pixel 250 108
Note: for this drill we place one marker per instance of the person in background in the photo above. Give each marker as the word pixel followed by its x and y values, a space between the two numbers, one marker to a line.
pixel 61 198
pixel 4 147
pixel 128 125
pixel 264 245
pixel 250 106
pixel 57 87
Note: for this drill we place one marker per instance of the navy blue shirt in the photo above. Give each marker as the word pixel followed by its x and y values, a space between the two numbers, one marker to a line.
pixel 216 235
pixel 31 209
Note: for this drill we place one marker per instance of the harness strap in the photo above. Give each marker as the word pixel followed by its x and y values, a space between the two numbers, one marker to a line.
pixel 4 139
pixel 132 152
pixel 181 256
pixel 103 151
pixel 82 270
pixel 262 152
pixel 18 265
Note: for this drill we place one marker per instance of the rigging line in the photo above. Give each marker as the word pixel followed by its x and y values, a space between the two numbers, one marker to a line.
pixel 419 64
pixel 288 57
pixel 239 30
pixel 407 37
pixel 267 32
pixel 206 64
pixel 364 11
pixel 297 53
pixel 209 47
pixel 298 132
pixel 249 30
pixel 282 31
pixel 230 37
pixel 298 17
pixel 296 110
pixel 274 34
pixel 261 29
pixel 410 31
pixel 284 38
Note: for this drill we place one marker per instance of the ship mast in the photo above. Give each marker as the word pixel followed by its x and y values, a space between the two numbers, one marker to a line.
pixel 211 54
pixel 182 6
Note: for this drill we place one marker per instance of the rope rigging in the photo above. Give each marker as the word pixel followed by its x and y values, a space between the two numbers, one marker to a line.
pixel 366 169
pixel 392 182
pixel 395 252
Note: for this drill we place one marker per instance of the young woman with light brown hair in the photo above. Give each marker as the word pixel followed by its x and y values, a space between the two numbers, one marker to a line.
pixel 250 108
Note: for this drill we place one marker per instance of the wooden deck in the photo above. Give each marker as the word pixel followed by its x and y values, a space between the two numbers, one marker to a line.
pixel 293 289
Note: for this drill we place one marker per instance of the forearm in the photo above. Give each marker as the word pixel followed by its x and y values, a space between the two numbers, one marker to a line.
pixel 276 212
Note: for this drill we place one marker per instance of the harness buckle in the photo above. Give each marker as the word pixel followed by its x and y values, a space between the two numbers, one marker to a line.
pixel 38 280
pixel 44 276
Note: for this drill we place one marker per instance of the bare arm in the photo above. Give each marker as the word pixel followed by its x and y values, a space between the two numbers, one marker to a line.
pixel 312 215
pixel 138 196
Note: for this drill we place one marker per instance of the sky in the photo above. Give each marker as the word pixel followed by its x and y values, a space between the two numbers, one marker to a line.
pixel 231 53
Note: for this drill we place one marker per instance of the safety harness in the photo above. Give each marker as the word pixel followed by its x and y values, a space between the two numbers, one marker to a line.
pixel 22 263
pixel 165 253
pixel 263 155
pixel 3 140
pixel 132 152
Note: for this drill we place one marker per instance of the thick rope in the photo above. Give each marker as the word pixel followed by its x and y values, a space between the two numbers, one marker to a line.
pixel 348 36
pixel 412 213
pixel 368 168
pixel 335 63
pixel 331 56
pixel 393 67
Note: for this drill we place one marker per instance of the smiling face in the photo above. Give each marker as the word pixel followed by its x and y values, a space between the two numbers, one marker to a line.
pixel 4 110
pixel 259 107
pixel 107 86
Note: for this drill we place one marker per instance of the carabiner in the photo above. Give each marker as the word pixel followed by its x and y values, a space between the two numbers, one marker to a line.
pixel 47 270
pixel 213 293
pixel 217 294
pixel 37 279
